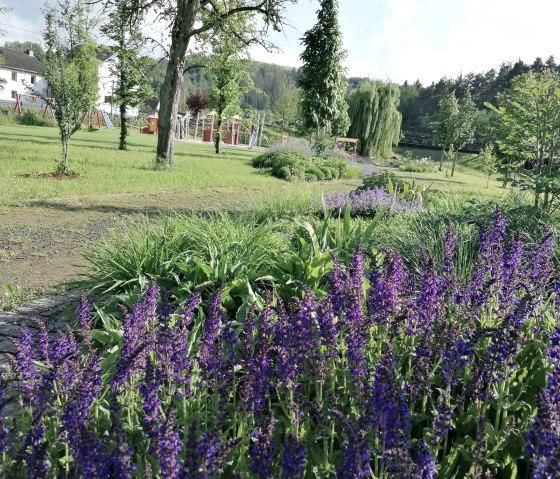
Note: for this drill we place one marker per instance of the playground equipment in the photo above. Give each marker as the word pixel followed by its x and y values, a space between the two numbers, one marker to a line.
pixel 202 128
pixel 35 102
pixel 152 127
pixel 94 117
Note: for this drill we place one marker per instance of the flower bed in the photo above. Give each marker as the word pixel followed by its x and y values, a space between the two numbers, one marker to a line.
pixel 390 373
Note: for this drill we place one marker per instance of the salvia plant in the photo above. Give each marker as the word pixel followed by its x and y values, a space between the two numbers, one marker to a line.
pixel 391 373
pixel 368 203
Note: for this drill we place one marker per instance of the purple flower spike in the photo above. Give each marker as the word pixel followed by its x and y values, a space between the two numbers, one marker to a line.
pixel 261 450
pixel 543 439
pixel 168 448
pixel 293 458
pixel 424 462
pixel 84 318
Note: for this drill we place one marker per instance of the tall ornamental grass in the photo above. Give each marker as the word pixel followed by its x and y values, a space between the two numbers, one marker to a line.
pixel 389 373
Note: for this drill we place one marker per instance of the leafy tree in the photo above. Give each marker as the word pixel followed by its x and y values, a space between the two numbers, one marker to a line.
pixel 286 103
pixel 188 20
pixel 489 162
pixel 70 68
pixel 196 102
pixel 455 125
pixel 229 76
pixel 530 125
pixel 123 27
pixel 374 117
pixel 322 82
pixel 36 48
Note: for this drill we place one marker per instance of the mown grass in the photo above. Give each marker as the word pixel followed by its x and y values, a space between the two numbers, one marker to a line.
pixel 105 170
pixel 467 179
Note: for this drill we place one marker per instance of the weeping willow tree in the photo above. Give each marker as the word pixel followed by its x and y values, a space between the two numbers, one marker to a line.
pixel 374 117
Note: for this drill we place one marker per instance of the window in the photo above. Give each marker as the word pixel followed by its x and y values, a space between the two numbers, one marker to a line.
pixel 14 94
pixel 14 76
pixel 33 79
pixel 108 99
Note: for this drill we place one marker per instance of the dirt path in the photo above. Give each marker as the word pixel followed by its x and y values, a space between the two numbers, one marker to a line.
pixel 41 242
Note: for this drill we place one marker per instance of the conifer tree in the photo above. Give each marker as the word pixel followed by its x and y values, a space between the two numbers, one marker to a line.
pixel 322 82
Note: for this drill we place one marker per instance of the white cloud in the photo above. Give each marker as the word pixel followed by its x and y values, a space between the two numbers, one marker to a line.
pixel 286 56
pixel 16 28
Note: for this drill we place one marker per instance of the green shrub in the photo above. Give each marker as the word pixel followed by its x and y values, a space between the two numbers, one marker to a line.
pixel 284 173
pixel 418 166
pixel 34 118
pixel 296 166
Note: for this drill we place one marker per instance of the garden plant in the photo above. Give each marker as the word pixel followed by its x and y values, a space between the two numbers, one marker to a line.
pixel 383 371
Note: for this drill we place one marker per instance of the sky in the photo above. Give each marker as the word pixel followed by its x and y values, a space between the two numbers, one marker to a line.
pixel 394 40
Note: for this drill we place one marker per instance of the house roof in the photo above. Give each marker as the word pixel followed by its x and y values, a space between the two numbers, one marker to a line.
pixel 103 53
pixel 18 60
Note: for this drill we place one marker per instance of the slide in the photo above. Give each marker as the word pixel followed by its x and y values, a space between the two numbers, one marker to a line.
pixel 108 121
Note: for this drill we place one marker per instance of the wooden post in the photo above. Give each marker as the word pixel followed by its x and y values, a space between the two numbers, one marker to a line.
pixel 196 125
pixel 261 131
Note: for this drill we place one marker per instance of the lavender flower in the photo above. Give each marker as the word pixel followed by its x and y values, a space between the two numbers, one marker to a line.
pixel 84 318
pixel 425 310
pixel 151 404
pixel 261 450
pixel 25 362
pixel 356 454
pixel 386 288
pixel 423 461
pixel 368 202
pixel 138 337
pixel 169 447
pixel 293 458
pixel 543 439
pixel 390 417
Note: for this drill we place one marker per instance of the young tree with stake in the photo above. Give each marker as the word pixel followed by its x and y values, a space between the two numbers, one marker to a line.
pixel 123 27
pixel 70 68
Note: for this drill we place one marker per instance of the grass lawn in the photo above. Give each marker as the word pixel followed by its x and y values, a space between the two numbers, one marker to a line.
pixel 105 170
pixel 468 178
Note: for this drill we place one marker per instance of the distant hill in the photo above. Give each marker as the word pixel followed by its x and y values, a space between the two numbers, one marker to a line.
pixel 269 78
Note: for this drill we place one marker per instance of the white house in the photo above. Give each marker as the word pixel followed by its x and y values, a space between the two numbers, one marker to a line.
pixel 22 73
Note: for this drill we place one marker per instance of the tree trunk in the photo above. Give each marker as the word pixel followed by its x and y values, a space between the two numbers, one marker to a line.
pixel 218 136
pixel 171 88
pixel 124 129
pixel 441 159
pixel 454 162
pixel 63 166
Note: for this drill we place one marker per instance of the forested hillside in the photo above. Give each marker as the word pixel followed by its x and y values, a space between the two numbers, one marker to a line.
pixel 418 103
pixel 271 82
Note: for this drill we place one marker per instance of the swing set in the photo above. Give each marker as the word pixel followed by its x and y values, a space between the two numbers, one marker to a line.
pixel 33 99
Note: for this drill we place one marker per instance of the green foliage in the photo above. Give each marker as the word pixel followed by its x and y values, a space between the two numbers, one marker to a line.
pixel 412 191
pixel 530 134
pixel 124 28
pixel 227 69
pixel 418 166
pixel 70 68
pixel 324 108
pixel 489 163
pixel 455 125
pixel 296 166
pixel 374 118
